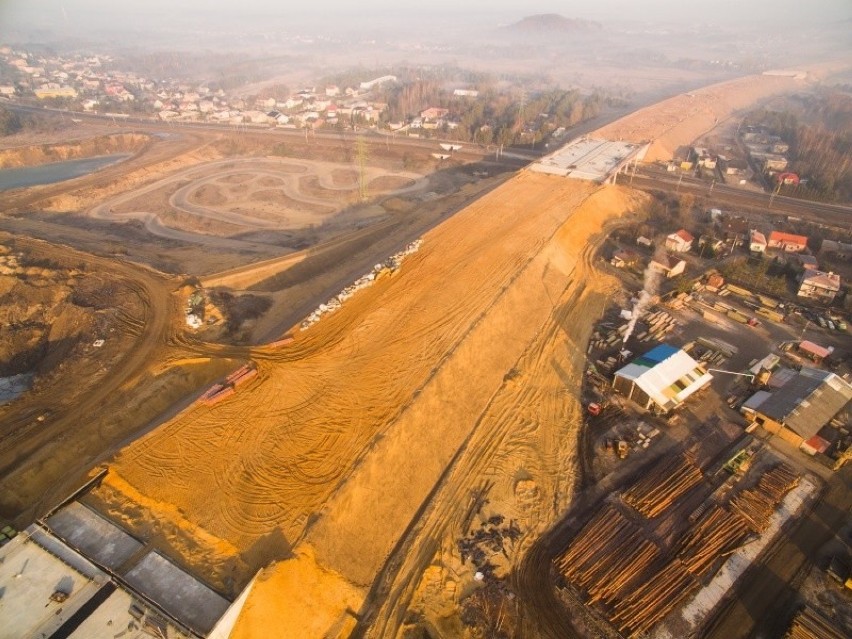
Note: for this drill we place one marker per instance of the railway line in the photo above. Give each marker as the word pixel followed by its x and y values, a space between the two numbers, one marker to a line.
pixel 838 215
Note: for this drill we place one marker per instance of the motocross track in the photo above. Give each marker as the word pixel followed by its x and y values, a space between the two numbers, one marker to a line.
pixel 381 394
pixel 211 201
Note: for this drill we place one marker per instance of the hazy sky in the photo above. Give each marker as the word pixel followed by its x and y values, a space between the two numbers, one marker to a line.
pixel 15 12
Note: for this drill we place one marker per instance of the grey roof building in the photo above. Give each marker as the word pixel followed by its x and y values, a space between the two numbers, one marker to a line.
pixel 802 406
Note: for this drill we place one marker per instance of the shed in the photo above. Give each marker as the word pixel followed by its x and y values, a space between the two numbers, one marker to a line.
pixel 813 351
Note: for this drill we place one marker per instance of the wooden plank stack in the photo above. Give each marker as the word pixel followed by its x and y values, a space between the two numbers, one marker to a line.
pixel 812 624
pixel 756 505
pixel 665 483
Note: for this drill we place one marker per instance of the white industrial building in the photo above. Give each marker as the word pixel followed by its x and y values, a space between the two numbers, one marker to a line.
pixel 661 379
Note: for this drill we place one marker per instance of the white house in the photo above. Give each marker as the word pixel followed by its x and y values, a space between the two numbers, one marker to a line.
pixel 668 265
pixel 756 242
pixel 817 285
pixel 680 241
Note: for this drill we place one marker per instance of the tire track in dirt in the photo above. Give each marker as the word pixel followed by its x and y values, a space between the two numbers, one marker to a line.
pixel 200 175
pixel 499 435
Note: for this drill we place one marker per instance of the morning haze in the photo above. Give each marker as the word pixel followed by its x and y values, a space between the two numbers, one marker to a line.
pixel 438 320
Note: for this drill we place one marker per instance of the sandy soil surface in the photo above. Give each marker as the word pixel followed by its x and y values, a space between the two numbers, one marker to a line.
pixel 86 399
pixel 312 453
pixel 684 118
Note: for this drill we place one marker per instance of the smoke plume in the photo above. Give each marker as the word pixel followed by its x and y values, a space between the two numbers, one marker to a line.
pixel 643 301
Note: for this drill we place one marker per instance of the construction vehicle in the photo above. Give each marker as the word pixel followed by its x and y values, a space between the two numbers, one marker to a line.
pixel 621 449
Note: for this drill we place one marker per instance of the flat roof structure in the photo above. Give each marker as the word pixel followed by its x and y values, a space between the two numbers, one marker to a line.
pixel 78 575
pixel 94 536
pixel 178 592
pixel 590 159
pixel 35 567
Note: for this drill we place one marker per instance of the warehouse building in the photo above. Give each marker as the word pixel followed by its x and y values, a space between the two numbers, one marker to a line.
pixel 661 379
pixel 802 406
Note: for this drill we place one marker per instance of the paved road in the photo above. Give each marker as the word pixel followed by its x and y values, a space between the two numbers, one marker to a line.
pixel 469 151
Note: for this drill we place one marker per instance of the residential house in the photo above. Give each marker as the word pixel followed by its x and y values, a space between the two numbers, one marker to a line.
pixel 734 227
pixel 667 265
pixel 465 93
pixel 836 250
pixel 756 242
pixel 433 114
pixel 680 241
pixel 7 89
pixel 787 242
pixel 818 285
pixel 624 258
pixel 773 162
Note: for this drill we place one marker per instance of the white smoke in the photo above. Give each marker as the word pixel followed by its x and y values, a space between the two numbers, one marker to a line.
pixel 649 289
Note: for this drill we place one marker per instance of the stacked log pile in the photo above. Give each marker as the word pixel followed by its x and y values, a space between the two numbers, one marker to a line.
pixel 606 555
pixel 716 534
pixel 653 599
pixel 665 483
pixel 613 562
pixel 812 624
pixel 757 504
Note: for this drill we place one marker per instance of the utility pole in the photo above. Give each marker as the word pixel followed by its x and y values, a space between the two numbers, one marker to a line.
pixel 774 193
pixel 362 154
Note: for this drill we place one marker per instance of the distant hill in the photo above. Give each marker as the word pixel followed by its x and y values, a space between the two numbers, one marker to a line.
pixel 548 23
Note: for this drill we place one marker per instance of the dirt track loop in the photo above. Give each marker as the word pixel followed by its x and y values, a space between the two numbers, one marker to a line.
pixel 252 194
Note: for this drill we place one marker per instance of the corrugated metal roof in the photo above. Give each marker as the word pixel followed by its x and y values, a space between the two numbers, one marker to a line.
pixel 808 401
pixel 754 402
